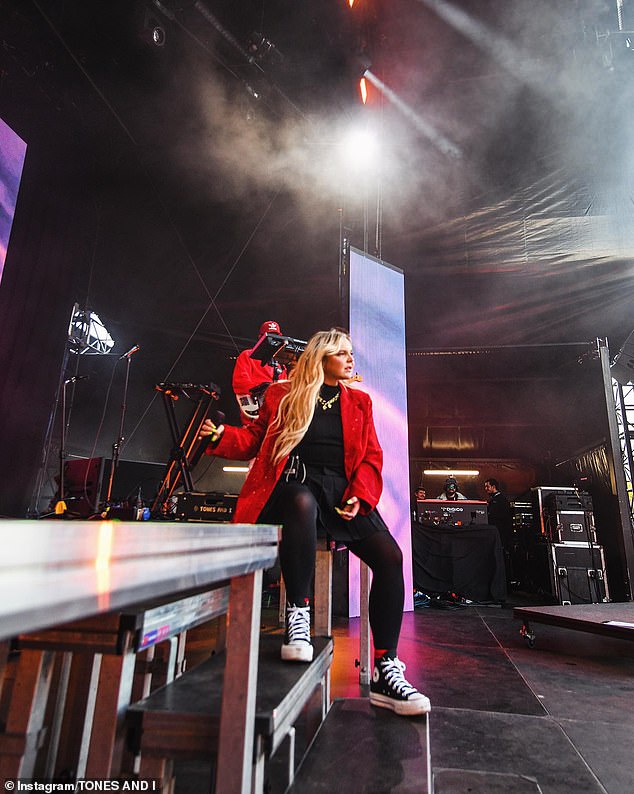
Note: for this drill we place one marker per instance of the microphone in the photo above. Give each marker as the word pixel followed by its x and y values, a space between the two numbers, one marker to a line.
pixel 217 417
pixel 130 352
pixel 75 378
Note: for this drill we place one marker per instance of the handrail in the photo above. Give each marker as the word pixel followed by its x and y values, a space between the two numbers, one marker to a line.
pixel 52 572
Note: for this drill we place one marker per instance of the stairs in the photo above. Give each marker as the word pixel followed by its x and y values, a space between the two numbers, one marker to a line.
pixel 180 721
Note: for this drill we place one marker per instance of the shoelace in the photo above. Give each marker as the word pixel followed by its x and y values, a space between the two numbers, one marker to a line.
pixel 298 624
pixel 393 670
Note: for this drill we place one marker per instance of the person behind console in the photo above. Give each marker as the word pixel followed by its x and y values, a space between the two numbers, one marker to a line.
pixel 450 491
pixel 317 469
pixel 500 514
pixel 251 377
pixel 419 495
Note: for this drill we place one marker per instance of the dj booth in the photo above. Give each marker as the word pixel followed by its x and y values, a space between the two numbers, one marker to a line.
pixel 455 550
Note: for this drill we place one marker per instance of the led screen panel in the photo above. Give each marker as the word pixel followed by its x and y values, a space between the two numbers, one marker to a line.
pixel 12 154
pixel 377 329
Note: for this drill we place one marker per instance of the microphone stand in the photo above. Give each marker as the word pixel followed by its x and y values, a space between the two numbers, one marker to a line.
pixel 116 447
pixel 60 505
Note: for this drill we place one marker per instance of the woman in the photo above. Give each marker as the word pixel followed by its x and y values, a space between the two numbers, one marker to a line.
pixel 317 469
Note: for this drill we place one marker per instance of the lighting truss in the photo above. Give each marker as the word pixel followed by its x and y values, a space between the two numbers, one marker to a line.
pixel 87 335
pixel 624 404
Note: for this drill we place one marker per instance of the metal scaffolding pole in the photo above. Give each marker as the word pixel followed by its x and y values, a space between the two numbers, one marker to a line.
pixel 618 478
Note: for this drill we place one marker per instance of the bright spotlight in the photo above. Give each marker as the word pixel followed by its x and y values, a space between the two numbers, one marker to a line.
pixel 360 147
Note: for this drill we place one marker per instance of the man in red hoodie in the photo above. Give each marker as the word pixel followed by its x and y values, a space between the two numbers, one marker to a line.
pixel 251 377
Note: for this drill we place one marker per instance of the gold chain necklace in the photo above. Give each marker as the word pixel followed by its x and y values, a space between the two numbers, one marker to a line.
pixel 326 404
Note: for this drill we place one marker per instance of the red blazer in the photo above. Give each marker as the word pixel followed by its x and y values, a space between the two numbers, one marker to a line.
pixel 363 456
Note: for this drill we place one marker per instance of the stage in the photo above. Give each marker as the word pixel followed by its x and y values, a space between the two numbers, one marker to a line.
pixel 505 718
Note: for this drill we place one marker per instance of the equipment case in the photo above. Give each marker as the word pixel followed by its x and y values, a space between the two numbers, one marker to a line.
pixel 573 573
pixel 574 526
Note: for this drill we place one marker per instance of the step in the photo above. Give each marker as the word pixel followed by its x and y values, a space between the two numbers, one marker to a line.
pixel 363 748
pixel 180 720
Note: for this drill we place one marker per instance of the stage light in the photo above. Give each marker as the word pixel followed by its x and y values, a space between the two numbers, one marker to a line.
pixel 238 469
pixel 151 31
pixel 451 472
pixel 363 90
pixel 158 36
pixel 262 50
pixel 252 91
pixel 350 3
pixel 437 138
pixel 360 147
pixel 87 335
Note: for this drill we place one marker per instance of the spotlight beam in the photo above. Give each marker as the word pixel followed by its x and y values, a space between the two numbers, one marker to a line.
pixel 446 146
pixel 506 52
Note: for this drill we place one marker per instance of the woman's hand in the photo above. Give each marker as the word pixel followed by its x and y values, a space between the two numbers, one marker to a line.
pixel 211 430
pixel 349 509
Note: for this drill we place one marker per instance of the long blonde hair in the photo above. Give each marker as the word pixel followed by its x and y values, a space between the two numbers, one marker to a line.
pixel 297 407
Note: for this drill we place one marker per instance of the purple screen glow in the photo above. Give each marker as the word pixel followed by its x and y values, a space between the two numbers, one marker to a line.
pixel 377 330
pixel 12 155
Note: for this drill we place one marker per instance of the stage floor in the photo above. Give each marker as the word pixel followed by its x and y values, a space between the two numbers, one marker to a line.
pixel 507 718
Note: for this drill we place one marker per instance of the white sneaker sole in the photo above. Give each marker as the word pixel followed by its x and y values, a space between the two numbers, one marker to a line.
pixel 302 652
pixel 404 708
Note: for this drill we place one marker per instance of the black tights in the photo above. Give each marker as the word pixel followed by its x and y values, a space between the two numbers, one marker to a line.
pixel 295 508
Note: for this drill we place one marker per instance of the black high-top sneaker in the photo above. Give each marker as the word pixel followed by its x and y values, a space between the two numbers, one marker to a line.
pixel 390 690
pixel 297 645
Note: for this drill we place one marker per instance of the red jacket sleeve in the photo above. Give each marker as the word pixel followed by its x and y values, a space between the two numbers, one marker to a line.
pixel 365 477
pixel 243 443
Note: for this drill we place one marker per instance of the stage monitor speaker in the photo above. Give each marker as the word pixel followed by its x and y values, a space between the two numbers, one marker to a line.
pixel 133 480
pixel 83 478
pixel 86 484
pixel 220 475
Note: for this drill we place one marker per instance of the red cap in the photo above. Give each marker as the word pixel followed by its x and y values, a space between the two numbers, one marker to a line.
pixel 270 327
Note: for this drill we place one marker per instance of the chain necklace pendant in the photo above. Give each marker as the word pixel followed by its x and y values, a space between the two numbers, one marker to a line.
pixel 326 404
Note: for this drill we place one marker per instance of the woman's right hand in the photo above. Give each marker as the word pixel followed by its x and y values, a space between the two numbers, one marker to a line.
pixel 210 430
pixel 349 509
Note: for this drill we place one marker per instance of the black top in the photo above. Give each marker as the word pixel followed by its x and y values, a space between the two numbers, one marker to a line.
pixel 323 473
pixel 322 446
pixel 501 515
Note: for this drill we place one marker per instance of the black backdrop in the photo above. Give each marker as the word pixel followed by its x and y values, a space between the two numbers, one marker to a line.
pixel 141 200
